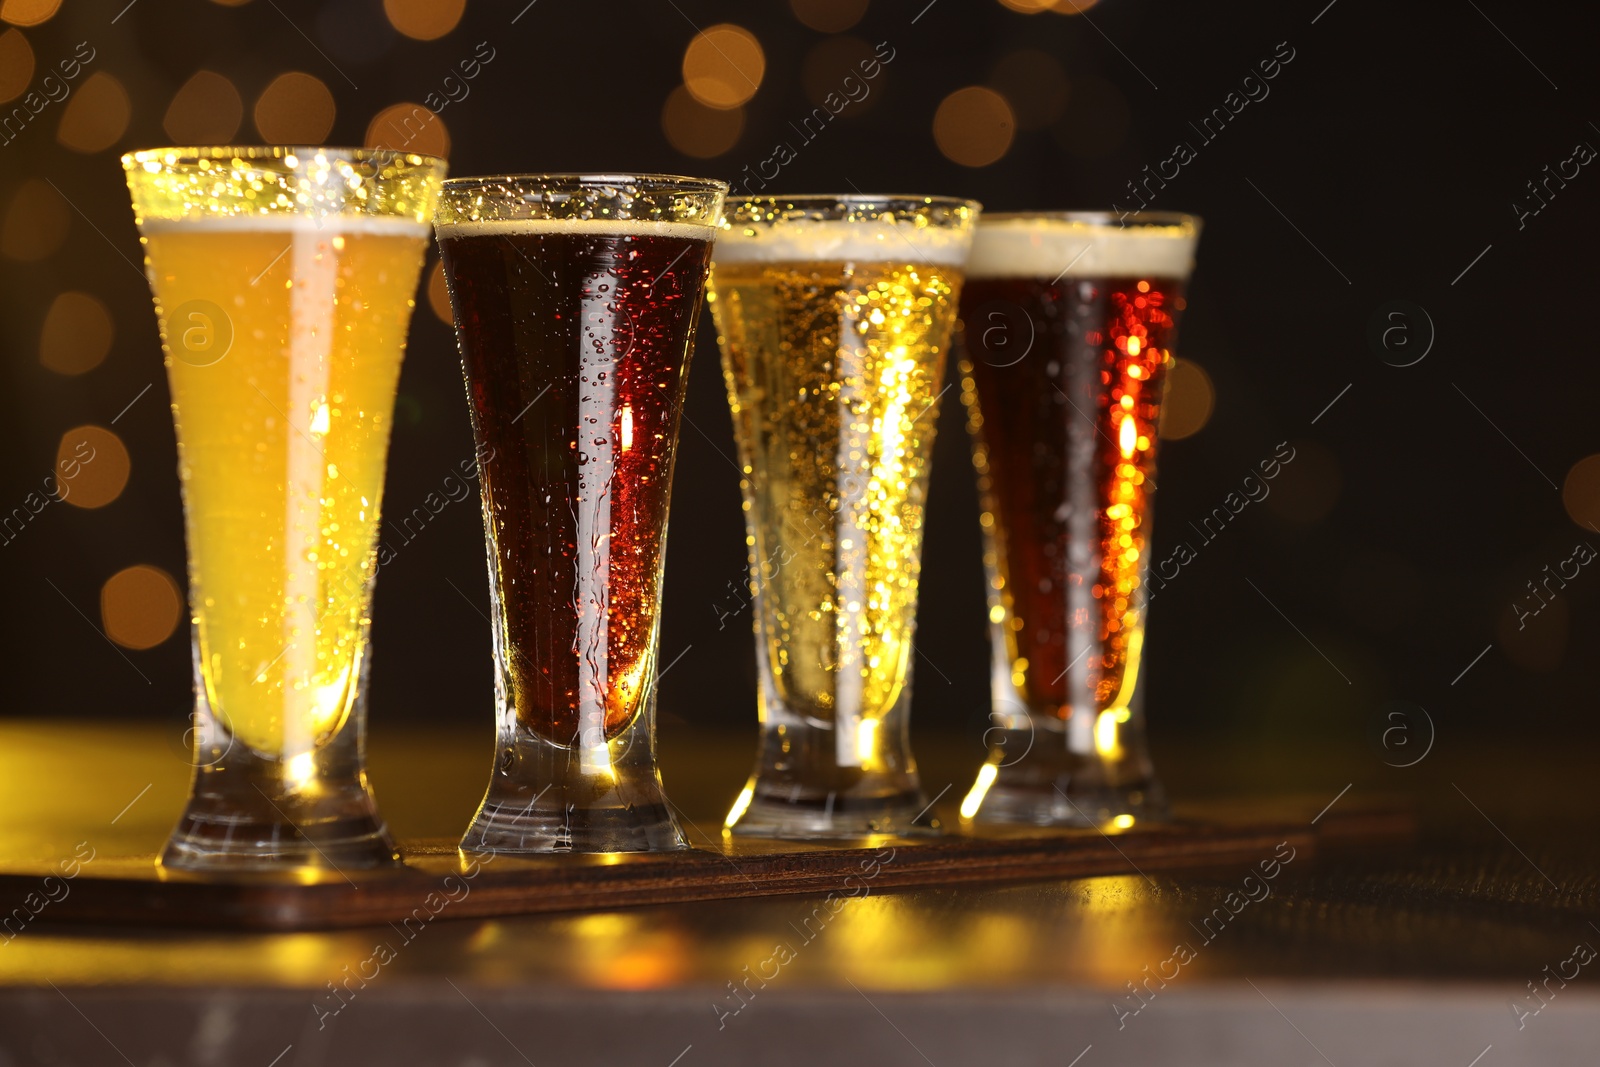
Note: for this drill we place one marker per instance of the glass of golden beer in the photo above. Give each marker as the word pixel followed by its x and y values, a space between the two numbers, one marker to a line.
pixel 1069 323
pixel 834 316
pixel 284 281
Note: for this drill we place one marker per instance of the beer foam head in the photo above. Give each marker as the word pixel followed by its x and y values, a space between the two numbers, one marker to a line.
pixel 690 231
pixel 376 225
pixel 1054 246
pixel 839 240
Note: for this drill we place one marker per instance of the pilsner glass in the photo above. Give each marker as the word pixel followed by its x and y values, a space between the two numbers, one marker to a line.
pixel 834 316
pixel 575 300
pixel 1068 327
pixel 283 282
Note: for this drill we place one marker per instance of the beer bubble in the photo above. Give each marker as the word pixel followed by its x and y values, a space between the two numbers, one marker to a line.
pixel 199 333
pixel 1400 333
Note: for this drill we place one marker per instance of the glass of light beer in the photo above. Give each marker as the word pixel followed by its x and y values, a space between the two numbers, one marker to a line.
pixel 1069 322
pixel 575 300
pixel 284 281
pixel 834 315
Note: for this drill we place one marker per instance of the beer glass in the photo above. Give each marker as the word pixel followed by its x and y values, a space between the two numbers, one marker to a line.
pixel 575 300
pixel 834 315
pixel 283 282
pixel 1068 327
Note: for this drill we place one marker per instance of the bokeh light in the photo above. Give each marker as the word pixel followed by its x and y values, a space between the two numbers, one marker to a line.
pixel 1027 7
pixel 206 110
pixel 1580 492
pixel 407 127
pixel 833 66
pixel 77 334
pixel 28 12
pixel 1034 84
pixel 16 64
pixel 974 126
pixel 1096 119
pixel 92 466
pixel 1072 7
pixel 1307 486
pixel 424 20
pixel 140 606
pixel 723 66
pixel 829 16
pixel 439 293
pixel 96 115
pixel 296 108
pixel 1189 399
pixel 697 130
pixel 36 222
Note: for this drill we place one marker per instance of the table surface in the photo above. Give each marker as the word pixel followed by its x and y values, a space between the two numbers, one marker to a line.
pixel 1435 950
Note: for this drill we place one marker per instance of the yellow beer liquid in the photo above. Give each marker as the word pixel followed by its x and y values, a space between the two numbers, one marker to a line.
pixel 833 373
pixel 283 338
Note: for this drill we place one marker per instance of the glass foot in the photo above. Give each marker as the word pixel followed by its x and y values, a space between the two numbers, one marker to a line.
pixel 1049 785
pixel 781 814
pixel 620 808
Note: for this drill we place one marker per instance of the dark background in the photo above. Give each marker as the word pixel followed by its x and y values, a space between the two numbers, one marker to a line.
pixel 1391 550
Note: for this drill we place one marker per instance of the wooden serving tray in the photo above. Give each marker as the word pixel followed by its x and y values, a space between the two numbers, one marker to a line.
pixel 437 882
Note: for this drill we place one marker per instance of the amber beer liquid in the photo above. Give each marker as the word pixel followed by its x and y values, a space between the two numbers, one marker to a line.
pixel 834 333
pixel 575 335
pixel 284 280
pixel 1068 330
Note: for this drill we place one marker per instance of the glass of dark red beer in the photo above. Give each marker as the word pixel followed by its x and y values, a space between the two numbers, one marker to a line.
pixel 1068 326
pixel 575 299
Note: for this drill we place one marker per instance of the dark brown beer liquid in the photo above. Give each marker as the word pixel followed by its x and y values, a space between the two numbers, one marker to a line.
pixel 575 344
pixel 1068 376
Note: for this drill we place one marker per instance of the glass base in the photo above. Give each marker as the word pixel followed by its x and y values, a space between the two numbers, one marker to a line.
pixel 540 800
pixel 247 811
pixel 1051 785
pixel 835 815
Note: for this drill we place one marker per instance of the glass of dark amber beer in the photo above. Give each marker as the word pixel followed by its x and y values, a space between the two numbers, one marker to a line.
pixel 1068 327
pixel 575 300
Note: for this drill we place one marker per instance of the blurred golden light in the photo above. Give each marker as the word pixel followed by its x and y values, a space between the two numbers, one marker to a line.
pixel 206 110
pixel 407 127
pixel 828 66
pixel 36 222
pixel 1187 403
pixel 1307 486
pixel 1580 492
pixel 439 294
pixel 16 64
pixel 77 334
pixel 92 466
pixel 295 108
pixel 974 126
pixel 1035 86
pixel 829 16
pixel 697 130
pixel 1072 7
pixel 424 20
pixel 140 606
pixel 1096 120
pixel 96 116
pixel 723 66
pixel 28 12
pixel 1027 7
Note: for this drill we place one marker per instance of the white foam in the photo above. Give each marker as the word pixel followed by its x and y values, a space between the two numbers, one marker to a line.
pixel 838 240
pixel 1051 247
pixel 387 225
pixel 614 227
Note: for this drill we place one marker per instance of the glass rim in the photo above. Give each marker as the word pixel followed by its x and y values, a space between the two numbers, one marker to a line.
pixel 193 154
pixel 584 179
pixel 852 199
pixel 1119 219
